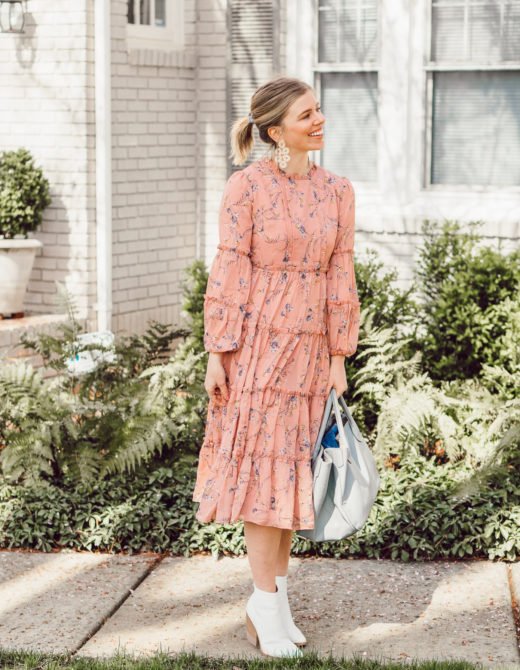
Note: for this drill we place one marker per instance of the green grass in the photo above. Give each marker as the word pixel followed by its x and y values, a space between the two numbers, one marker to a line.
pixel 19 660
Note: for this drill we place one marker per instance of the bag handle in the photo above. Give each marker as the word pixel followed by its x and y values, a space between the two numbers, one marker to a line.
pixel 341 430
pixel 325 417
pixel 332 403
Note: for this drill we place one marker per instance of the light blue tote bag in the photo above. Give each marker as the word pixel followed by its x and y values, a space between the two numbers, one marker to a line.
pixel 345 476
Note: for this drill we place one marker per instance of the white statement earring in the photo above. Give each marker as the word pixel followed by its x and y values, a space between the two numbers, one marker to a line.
pixel 281 154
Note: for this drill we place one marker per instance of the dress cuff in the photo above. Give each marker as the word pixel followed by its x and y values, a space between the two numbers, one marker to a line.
pixel 222 325
pixel 343 327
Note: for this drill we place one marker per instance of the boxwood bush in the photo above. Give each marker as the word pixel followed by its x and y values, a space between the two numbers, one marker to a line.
pixel 464 287
pixel 24 193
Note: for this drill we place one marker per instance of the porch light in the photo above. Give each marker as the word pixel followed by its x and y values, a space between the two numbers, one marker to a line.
pixel 11 16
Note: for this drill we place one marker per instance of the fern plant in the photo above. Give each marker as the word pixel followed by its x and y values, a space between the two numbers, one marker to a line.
pixel 469 421
pixel 408 408
pixel 35 419
pixel 109 420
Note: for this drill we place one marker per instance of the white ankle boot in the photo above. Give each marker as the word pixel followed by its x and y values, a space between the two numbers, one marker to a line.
pixel 264 625
pixel 292 629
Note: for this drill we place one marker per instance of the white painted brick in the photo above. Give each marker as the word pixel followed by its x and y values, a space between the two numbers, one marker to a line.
pixel 119 271
pixel 147 94
pixel 157 290
pixel 149 280
pixel 148 303
pixel 165 300
pixel 154 109
pixel 126 235
pixel 127 259
pixel 139 292
pixel 137 152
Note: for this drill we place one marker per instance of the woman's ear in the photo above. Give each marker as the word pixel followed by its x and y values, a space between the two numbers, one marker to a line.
pixel 274 133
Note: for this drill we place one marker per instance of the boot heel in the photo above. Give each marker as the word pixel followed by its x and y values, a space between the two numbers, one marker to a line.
pixel 251 633
pixel 264 625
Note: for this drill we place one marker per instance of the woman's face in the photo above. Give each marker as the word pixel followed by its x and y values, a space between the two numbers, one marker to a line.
pixel 302 126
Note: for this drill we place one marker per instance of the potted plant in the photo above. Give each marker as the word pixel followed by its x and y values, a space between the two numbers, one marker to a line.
pixel 24 194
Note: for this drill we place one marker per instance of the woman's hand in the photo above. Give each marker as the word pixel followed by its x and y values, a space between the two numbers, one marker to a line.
pixel 215 382
pixel 337 375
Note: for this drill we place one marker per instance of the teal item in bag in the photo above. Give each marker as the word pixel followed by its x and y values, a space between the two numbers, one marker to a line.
pixel 345 477
pixel 330 439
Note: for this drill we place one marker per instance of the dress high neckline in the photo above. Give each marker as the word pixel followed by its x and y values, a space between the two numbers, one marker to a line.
pixel 290 175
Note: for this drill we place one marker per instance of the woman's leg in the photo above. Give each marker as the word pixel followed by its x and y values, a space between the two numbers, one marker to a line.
pixel 284 552
pixel 263 546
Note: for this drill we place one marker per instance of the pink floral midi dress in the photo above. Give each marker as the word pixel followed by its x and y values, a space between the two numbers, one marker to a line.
pixel 281 299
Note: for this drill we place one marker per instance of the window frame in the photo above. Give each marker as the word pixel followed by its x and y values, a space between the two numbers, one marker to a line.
pixel 429 68
pixel 320 68
pixel 164 38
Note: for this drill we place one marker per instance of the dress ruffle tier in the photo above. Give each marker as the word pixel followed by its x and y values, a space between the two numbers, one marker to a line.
pixel 281 299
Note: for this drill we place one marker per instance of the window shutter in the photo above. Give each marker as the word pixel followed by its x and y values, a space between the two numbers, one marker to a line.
pixel 254 59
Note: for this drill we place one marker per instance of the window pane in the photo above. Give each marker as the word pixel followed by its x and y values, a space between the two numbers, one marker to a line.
pixel 475 30
pixel 347 31
pixel 145 12
pixel 349 102
pixel 511 36
pixel 160 13
pixel 130 12
pixel 476 128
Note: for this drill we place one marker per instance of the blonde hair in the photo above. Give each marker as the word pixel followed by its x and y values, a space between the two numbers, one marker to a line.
pixel 269 105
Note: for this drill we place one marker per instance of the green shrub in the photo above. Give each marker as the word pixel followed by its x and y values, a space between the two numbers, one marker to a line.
pixel 383 305
pixel 24 193
pixel 150 511
pixel 418 515
pixel 462 284
pixel 193 288
pixel 502 374
pixel 389 305
pixel 106 421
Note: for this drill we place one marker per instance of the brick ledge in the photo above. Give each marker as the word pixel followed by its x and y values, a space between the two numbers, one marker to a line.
pixel 12 329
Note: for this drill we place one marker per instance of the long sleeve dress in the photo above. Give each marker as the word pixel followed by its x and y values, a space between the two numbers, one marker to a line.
pixel 280 300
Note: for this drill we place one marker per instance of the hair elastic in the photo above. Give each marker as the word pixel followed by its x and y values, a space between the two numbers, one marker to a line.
pixel 250 118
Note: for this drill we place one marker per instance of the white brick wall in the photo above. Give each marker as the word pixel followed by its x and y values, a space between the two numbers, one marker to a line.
pixel 154 176
pixel 212 139
pixel 49 74
pixel 47 107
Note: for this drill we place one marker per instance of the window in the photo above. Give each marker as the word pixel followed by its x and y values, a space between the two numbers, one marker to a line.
pixel 474 90
pixel 346 71
pixel 254 59
pixel 155 24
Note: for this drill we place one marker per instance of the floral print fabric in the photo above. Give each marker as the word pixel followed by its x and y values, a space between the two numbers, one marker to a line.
pixel 281 299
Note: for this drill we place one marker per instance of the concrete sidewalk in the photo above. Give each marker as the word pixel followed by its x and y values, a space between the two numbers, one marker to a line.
pixel 99 604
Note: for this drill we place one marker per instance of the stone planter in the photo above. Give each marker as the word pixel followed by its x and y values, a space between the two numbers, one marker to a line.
pixel 16 262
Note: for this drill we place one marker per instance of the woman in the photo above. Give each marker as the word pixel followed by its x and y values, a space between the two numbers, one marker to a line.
pixel 281 312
